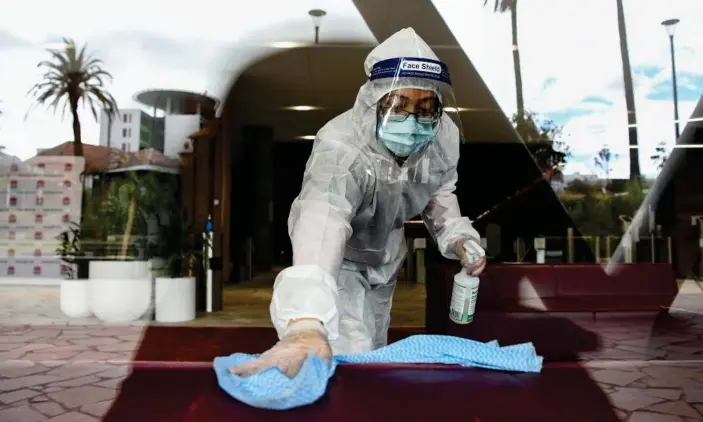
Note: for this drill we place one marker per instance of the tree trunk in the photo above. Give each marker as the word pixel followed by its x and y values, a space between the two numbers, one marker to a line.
pixel 629 95
pixel 128 228
pixel 77 141
pixel 520 101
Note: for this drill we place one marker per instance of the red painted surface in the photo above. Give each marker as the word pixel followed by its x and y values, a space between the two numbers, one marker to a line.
pixel 186 392
pixel 374 393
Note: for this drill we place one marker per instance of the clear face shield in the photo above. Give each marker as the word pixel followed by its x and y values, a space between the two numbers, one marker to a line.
pixel 413 104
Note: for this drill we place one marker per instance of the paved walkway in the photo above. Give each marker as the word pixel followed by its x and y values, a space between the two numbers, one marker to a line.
pixel 63 373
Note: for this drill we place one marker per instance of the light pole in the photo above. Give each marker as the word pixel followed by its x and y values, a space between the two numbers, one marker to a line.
pixel 670 26
pixel 317 15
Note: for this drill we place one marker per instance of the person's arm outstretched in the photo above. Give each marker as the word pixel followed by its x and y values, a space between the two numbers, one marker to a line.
pixel 304 303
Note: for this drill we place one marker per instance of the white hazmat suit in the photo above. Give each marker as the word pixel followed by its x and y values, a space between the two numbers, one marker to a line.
pixel 346 225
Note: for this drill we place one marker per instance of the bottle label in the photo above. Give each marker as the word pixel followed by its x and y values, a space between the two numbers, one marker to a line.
pixel 456 307
pixel 463 304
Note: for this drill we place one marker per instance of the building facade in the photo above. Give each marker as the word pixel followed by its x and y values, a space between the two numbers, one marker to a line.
pixel 174 116
pixel 132 130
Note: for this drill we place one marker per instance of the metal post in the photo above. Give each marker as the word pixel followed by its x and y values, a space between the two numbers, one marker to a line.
pixel 419 245
pixel 668 247
pixel 410 261
pixel 317 35
pixel 597 247
pixel 608 249
pixel 627 244
pixel 570 244
pixel 540 244
pixel 208 270
pixel 673 79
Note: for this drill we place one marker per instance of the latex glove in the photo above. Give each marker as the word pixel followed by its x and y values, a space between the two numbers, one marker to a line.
pixel 289 354
pixel 474 265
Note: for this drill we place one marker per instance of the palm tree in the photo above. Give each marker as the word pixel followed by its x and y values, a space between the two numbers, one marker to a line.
pixel 503 6
pixel 70 78
pixel 629 94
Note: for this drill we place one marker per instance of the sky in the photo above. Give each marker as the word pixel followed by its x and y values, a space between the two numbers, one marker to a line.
pixel 572 72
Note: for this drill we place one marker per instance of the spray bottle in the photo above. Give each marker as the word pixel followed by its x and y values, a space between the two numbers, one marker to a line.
pixel 465 290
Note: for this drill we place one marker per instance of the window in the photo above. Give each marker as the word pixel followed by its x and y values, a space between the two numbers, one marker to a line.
pixel 126 132
pixel 125 147
pixel 127 118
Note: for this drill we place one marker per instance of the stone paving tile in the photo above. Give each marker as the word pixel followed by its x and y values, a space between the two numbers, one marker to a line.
pixel 58 373
pixel 659 391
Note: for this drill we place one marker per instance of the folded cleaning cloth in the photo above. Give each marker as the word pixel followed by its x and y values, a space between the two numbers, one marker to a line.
pixel 271 389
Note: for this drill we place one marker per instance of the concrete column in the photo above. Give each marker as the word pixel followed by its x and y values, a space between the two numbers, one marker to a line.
pixel 260 140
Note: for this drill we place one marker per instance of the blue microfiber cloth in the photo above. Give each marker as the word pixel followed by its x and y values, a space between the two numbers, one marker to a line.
pixel 271 389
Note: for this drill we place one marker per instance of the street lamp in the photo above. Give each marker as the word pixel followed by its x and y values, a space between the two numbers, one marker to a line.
pixel 317 15
pixel 670 26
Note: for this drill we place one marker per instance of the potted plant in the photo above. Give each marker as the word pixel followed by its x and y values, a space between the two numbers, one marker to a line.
pixel 73 296
pixel 182 248
pixel 120 280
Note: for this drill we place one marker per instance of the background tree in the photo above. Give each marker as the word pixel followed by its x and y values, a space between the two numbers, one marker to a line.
pixel 71 78
pixel 629 94
pixel 541 138
pixel 603 161
pixel 504 6
pixel 660 155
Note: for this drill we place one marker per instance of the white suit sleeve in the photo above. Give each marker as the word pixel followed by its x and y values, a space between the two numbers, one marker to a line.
pixel 443 219
pixel 319 227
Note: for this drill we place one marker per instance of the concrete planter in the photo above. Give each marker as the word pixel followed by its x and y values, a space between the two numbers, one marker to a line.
pixel 175 299
pixel 74 298
pixel 119 291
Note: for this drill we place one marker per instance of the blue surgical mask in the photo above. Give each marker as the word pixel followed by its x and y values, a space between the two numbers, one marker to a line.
pixel 406 137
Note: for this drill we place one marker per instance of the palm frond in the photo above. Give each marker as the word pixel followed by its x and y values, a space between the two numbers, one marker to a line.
pixel 500 6
pixel 72 77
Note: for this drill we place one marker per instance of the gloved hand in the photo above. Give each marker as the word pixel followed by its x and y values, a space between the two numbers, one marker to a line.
pixel 474 265
pixel 290 352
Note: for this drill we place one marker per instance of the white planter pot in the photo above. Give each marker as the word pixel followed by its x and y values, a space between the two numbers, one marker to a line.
pixel 74 299
pixel 120 291
pixel 175 299
pixel 118 269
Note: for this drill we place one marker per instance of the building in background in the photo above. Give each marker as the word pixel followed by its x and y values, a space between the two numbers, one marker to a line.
pixel 172 117
pixel 132 130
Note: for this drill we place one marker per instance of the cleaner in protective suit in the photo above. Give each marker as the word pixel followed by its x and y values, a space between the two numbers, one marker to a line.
pixel 391 157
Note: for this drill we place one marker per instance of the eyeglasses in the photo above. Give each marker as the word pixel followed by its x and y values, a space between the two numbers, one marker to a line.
pixel 395 114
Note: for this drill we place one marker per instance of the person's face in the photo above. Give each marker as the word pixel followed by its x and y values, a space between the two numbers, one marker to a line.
pixel 422 103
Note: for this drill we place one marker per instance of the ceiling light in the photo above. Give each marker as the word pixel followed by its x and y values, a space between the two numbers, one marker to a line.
pixel 306 138
pixel 302 108
pixel 455 109
pixel 287 44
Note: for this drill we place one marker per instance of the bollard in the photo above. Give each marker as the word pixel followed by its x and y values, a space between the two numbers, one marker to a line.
pixel 597 248
pixel 608 248
pixel 540 245
pixel 627 244
pixel 420 245
pixel 570 244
